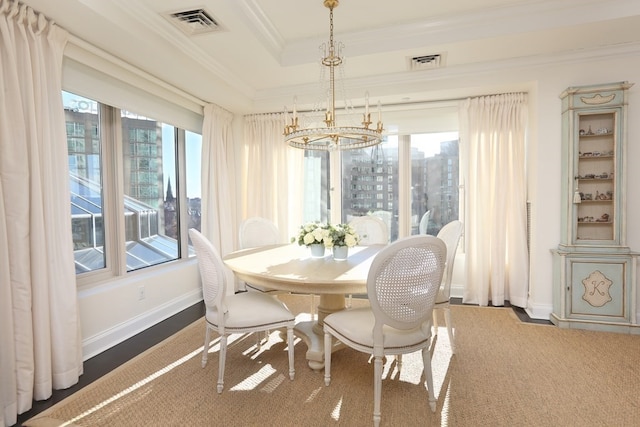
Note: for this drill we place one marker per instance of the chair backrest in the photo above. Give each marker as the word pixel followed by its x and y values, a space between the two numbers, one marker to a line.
pixel 403 281
pixel 212 275
pixel 424 222
pixel 257 231
pixel 450 235
pixel 371 229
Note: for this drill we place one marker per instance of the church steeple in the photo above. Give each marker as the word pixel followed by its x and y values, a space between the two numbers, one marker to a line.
pixel 169 197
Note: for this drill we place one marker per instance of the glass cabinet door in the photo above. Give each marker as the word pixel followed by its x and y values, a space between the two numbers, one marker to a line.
pixel 596 177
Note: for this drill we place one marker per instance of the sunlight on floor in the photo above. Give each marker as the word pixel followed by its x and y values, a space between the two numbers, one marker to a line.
pixel 248 384
pixel 253 381
pixel 135 386
pixel 335 414
pixel 269 379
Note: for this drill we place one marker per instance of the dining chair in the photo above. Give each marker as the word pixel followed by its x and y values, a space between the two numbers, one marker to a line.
pixel 372 231
pixel 244 312
pixel 450 235
pixel 402 285
pixel 258 231
pixel 424 222
pixel 255 232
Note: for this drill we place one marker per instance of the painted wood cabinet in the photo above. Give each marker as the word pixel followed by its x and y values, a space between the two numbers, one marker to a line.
pixel 594 270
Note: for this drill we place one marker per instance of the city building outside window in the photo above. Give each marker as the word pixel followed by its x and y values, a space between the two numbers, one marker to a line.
pixel 370 182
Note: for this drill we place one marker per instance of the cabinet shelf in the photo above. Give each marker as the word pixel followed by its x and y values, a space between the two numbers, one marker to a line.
pixel 599 156
pixel 595 135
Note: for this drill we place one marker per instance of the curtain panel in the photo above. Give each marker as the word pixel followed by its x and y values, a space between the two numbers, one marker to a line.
pixel 219 189
pixel 493 160
pixel 39 318
pixel 271 174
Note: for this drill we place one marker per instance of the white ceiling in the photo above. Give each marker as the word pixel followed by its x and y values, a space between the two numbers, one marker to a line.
pixel 267 50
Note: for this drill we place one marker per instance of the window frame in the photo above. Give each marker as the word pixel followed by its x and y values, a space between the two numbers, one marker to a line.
pixel 111 146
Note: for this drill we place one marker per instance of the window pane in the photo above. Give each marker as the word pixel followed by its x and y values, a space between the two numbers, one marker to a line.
pixel 83 146
pixel 369 183
pixel 151 208
pixel 316 186
pixel 193 168
pixel 434 181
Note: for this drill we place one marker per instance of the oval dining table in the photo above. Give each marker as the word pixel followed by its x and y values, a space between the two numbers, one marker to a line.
pixel 291 268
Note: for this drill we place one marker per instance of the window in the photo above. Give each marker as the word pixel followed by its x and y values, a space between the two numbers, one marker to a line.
pixel 431 184
pixel 316 203
pixel 149 154
pixel 434 180
pixel 85 182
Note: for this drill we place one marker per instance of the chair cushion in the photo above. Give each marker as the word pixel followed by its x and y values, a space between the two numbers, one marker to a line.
pixel 251 310
pixel 356 325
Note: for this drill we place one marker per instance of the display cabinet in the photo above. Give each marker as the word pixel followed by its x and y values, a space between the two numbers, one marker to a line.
pixel 594 270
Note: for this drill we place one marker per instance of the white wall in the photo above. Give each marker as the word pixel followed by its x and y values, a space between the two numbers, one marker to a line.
pixel 112 311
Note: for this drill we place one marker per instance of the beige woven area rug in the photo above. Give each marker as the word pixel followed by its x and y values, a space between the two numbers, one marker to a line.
pixel 504 373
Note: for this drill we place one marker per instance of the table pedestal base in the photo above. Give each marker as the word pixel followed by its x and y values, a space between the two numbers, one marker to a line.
pixel 312 333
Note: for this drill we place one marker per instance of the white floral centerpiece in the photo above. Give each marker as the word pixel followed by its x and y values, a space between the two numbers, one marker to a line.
pixel 342 235
pixel 312 233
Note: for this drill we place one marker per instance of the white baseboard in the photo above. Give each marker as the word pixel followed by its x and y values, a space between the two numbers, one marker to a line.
pixel 98 343
pixel 540 311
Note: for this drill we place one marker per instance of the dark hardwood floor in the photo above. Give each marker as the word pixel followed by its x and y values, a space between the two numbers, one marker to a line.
pixel 110 359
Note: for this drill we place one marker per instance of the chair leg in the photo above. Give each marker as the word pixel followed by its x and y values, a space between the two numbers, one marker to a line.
pixel 292 371
pixel 426 360
pixel 349 300
pixel 260 336
pixel 258 340
pixel 377 389
pixel 327 358
pixel 435 322
pixel 205 349
pixel 223 356
pixel 447 320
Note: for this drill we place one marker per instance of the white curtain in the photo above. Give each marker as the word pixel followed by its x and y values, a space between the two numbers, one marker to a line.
pixel 219 216
pixel 39 329
pixel 272 182
pixel 492 152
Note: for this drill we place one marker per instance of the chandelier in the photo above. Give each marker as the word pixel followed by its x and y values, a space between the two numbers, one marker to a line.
pixel 331 136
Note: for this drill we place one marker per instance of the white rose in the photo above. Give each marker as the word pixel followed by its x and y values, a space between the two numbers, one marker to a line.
pixel 318 234
pixel 309 238
pixel 350 240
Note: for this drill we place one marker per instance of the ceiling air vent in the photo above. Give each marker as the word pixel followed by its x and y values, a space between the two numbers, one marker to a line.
pixel 192 22
pixel 425 62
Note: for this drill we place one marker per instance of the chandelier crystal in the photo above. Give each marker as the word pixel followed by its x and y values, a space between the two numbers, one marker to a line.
pixel 331 136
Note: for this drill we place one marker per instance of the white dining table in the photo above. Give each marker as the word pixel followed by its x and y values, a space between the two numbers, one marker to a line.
pixel 291 268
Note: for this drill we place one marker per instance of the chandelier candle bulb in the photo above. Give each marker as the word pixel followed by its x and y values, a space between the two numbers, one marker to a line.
pixel 366 105
pixel 295 109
